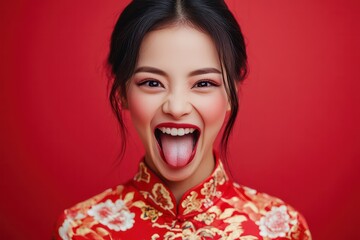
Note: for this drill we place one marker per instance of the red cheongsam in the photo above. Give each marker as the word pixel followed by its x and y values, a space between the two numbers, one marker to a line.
pixel 218 208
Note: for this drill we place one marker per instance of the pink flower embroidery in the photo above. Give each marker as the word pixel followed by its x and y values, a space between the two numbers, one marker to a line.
pixel 115 216
pixel 275 223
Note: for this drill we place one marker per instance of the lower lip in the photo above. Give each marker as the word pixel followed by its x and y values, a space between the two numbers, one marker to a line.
pixel 177 167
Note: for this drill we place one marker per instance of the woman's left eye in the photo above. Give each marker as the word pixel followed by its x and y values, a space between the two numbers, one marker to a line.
pixel 202 84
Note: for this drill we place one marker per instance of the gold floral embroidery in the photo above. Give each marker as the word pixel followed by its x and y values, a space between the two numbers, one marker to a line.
pixel 84 206
pixel 189 232
pixel 247 207
pixel 234 230
pixel 206 218
pixel 219 176
pixel 155 236
pixel 161 196
pixel 143 174
pixel 208 212
pixel 307 235
pixel 151 213
pixel 209 189
pixel 191 203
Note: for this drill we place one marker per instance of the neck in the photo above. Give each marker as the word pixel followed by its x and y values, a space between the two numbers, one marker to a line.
pixel 179 188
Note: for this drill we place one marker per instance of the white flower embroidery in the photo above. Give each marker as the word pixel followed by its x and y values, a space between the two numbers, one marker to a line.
pixel 207 202
pixel 275 223
pixel 115 216
pixel 64 229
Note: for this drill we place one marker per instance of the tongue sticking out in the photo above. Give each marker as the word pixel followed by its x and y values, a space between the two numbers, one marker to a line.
pixel 177 149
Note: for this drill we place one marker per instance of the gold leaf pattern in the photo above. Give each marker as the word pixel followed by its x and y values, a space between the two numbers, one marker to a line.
pixel 161 196
pixel 143 174
pixel 191 203
pixel 150 213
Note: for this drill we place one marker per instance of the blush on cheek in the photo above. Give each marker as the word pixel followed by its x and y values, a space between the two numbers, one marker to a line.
pixel 214 109
pixel 138 110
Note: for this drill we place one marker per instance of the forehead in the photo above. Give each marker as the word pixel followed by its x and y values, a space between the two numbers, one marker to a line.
pixel 178 47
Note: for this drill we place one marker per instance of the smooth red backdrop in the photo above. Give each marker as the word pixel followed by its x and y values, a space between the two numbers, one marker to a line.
pixel 297 135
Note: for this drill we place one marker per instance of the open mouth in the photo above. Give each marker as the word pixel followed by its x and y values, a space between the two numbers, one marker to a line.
pixel 177 146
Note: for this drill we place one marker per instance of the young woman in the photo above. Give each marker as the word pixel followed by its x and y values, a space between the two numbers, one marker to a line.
pixel 176 65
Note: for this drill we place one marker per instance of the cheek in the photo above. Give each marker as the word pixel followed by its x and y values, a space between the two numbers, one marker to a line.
pixel 213 110
pixel 140 109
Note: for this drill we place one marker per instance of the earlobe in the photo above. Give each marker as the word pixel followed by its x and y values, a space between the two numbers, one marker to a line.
pixel 228 107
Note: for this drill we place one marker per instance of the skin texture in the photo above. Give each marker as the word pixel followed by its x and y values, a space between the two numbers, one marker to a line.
pixel 178 80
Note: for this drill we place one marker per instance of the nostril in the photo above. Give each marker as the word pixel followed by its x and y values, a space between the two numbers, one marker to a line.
pixel 177 107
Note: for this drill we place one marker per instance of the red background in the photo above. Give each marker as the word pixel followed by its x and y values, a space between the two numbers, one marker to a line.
pixel 297 137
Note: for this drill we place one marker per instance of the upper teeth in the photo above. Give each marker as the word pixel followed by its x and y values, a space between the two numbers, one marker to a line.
pixel 177 131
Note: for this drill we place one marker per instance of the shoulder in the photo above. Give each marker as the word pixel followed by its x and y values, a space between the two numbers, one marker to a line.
pixel 274 217
pixel 84 215
pixel 259 199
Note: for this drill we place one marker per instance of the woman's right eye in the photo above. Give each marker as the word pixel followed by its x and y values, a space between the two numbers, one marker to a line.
pixel 151 83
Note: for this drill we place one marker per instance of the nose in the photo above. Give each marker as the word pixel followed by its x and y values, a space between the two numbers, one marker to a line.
pixel 177 105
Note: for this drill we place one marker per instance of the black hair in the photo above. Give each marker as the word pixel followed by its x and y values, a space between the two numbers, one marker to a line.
pixel 143 16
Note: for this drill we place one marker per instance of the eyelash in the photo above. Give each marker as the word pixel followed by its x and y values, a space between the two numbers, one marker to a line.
pixel 207 82
pixel 149 83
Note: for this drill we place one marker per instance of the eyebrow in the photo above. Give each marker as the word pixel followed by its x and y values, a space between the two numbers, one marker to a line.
pixel 162 73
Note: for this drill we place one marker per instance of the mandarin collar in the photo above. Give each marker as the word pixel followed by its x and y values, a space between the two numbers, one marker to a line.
pixel 196 200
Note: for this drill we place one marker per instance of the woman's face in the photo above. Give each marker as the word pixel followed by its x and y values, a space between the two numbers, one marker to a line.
pixel 177 101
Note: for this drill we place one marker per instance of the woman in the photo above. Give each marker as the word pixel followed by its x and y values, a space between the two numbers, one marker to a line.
pixel 176 65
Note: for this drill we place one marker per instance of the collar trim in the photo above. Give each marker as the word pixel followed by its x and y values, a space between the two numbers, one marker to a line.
pixel 196 200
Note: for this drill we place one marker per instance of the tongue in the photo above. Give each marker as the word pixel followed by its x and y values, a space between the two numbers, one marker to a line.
pixel 177 149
